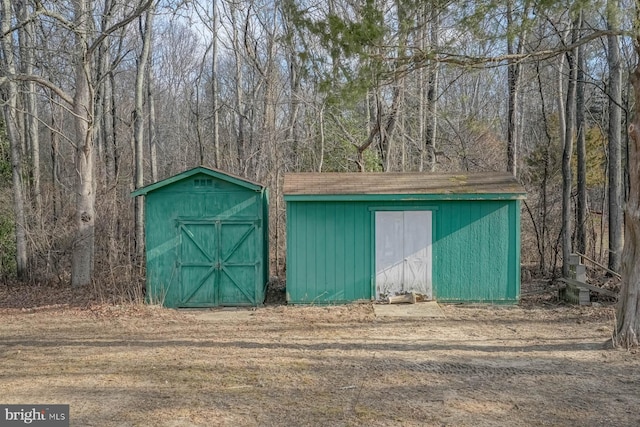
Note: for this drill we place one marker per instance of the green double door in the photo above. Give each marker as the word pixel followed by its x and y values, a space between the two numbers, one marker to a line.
pixel 218 263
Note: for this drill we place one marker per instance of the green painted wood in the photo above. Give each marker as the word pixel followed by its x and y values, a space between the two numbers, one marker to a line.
pixel 477 256
pixel 330 267
pixel 206 242
pixel 219 178
pixel 330 249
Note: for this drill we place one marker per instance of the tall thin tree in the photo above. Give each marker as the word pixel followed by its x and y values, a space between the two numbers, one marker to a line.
pixel 138 126
pixel 32 133
pixel 581 151
pixel 614 90
pixel 567 152
pixel 514 71
pixel 10 98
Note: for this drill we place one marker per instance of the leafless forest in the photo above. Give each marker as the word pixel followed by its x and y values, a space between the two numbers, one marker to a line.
pixel 100 97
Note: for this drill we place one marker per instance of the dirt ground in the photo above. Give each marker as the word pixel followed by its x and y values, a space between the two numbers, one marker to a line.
pixel 540 363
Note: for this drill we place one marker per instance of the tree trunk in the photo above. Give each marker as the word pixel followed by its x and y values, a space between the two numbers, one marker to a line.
pixel 388 130
pixel 112 155
pixel 28 44
pixel 562 122
pixel 628 314
pixel 82 262
pixel 321 125
pixel 138 125
pixel 421 82
pixel 153 143
pixel 429 23
pixel 514 71
pixel 214 87
pixel 582 208
pixel 269 75
pixel 291 135
pixel 109 128
pixel 432 92
pixel 9 110
pixel 543 206
pixel 239 92
pixel 18 196
pixel 55 131
pixel 616 224
pixel 99 114
pixel 568 152
pixel 102 108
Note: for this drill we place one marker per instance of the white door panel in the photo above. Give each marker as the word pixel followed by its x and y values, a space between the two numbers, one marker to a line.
pixel 389 253
pixel 403 252
pixel 417 251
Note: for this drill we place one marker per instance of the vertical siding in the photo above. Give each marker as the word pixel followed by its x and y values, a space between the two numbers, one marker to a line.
pixel 261 287
pixel 341 266
pixel 477 256
pixel 181 200
pixel 476 250
pixel 514 251
pixel 328 252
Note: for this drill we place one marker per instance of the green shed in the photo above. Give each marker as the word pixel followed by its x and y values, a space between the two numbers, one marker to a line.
pixel 206 240
pixel 367 236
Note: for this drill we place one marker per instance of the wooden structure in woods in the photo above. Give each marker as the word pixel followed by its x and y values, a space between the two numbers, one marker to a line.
pixel 372 236
pixel 206 240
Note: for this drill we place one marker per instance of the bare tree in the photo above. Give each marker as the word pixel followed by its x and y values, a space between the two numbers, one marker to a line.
pixel 581 151
pixel 82 263
pixel 627 333
pixel 514 71
pixel 431 133
pixel 572 57
pixel 240 112
pixel 138 124
pixel 276 86
pixel 81 102
pixel 32 133
pixel 152 137
pixel 614 90
pixel 104 109
pixel 215 107
pixel 9 97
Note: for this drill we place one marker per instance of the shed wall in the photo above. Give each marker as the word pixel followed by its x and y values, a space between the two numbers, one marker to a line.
pixel 476 249
pixel 181 200
pixel 328 252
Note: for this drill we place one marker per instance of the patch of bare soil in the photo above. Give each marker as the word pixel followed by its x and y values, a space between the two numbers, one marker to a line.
pixel 531 365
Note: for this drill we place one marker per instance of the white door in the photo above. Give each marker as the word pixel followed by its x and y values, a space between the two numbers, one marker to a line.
pixel 403 253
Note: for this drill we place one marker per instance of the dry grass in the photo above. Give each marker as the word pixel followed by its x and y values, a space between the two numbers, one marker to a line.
pixel 333 366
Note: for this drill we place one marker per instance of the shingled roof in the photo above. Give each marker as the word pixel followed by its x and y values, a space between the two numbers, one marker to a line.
pixel 400 183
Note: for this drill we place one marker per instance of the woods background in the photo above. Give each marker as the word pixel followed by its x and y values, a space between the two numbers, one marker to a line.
pixel 100 97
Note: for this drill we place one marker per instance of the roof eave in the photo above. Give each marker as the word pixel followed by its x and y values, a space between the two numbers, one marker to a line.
pixel 143 191
pixel 403 197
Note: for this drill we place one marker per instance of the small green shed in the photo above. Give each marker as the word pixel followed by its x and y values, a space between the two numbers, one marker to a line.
pixel 366 236
pixel 206 240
